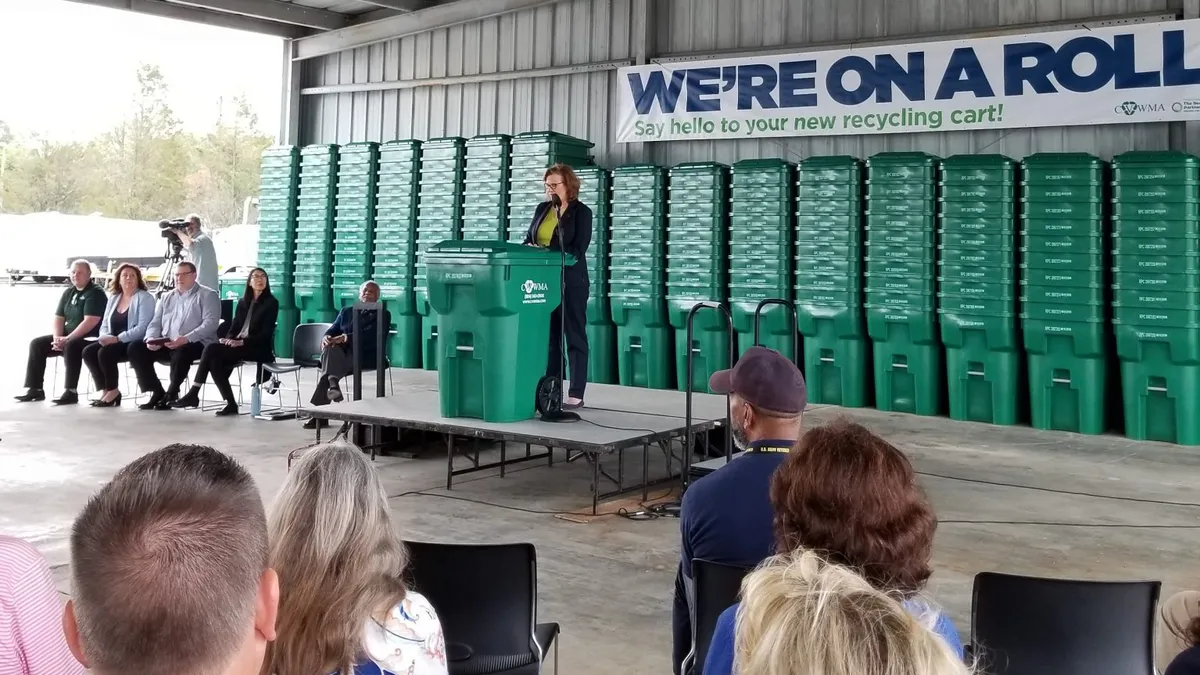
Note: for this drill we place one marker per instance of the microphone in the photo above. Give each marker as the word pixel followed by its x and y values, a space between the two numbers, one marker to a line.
pixel 554 411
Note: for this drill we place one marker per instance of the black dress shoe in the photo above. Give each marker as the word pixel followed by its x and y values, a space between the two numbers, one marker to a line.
pixel 167 403
pixel 313 423
pixel 153 403
pixel 189 400
pixel 67 398
pixel 101 403
pixel 31 396
pixel 230 410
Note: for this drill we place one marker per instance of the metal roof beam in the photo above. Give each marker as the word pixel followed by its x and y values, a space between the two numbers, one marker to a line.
pixel 400 5
pixel 168 10
pixel 437 16
pixel 273 10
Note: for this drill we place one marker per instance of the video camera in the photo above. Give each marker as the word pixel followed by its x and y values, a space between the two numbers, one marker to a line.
pixel 170 230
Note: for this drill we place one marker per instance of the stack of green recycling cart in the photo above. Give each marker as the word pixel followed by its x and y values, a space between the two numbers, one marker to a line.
pixel 762 204
pixel 532 154
pixel 901 294
pixel 314 233
pixel 978 289
pixel 594 191
pixel 354 223
pixel 1156 289
pixel 697 220
pixel 485 188
pixel 396 246
pixel 829 281
pixel 1064 291
pixel 277 235
pixel 439 218
pixel 637 282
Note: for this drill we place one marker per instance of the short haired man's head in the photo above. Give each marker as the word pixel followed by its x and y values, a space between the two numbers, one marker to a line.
pixel 185 276
pixel 368 292
pixel 81 273
pixel 853 496
pixel 193 221
pixel 169 567
pixel 767 396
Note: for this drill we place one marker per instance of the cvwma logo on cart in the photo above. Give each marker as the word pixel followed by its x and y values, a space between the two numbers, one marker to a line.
pixel 535 292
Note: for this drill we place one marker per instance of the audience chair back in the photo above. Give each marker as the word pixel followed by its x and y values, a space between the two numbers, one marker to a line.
pixel 306 344
pixel 716 587
pixel 1033 626
pixel 486 599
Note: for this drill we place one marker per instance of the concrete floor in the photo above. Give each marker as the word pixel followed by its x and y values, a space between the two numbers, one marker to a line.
pixel 1010 499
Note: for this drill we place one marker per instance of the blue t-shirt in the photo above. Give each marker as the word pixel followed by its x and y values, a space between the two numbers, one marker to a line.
pixel 720 651
pixel 726 517
pixel 1187 663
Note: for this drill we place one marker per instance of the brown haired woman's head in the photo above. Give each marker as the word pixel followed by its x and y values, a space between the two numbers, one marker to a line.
pixel 854 497
pixel 127 279
pixel 562 182
pixel 339 560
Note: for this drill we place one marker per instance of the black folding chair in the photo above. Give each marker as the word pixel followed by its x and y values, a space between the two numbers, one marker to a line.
pixel 306 353
pixel 1033 626
pixel 716 587
pixel 485 596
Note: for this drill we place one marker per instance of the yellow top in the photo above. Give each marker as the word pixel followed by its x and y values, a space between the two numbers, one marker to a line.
pixel 545 230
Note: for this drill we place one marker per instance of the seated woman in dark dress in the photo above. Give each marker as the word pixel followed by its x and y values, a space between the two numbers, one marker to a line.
pixel 251 339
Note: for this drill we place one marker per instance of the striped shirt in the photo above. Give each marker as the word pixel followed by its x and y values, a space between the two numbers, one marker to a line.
pixel 31 632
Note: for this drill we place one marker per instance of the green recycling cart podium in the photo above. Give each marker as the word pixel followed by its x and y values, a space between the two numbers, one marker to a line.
pixel 493 301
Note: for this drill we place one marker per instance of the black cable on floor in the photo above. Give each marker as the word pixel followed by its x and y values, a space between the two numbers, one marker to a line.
pixel 1137 500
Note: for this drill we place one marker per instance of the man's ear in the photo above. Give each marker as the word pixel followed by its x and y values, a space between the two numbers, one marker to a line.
pixel 266 610
pixel 71 632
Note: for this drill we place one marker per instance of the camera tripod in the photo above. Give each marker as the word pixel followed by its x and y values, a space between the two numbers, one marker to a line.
pixel 171 260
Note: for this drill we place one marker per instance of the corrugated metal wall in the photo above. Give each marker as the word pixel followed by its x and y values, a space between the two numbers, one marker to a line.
pixel 567 33
pixel 578 32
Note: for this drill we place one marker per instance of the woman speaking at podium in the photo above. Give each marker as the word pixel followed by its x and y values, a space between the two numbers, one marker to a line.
pixel 563 223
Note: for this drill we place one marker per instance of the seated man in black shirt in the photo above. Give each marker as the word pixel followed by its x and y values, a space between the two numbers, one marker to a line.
pixel 337 349
pixel 78 316
pixel 726 516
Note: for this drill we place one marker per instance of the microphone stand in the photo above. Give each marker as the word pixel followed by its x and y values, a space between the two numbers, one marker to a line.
pixel 555 412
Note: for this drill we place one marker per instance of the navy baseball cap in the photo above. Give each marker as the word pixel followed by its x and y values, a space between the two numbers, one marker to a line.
pixel 765 379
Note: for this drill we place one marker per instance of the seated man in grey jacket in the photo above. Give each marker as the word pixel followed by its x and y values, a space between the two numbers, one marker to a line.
pixel 185 321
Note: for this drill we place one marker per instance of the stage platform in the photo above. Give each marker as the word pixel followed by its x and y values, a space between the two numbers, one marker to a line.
pixel 614 420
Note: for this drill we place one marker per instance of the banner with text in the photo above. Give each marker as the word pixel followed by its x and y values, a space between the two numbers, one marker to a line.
pixel 1135 73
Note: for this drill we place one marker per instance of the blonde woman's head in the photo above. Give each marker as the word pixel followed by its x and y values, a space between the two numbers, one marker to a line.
pixel 803 616
pixel 339 560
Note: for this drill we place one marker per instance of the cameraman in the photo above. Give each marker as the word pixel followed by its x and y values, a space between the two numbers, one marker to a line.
pixel 200 252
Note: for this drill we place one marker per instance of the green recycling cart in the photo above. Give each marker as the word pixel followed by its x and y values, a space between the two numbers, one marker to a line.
pixel 493 302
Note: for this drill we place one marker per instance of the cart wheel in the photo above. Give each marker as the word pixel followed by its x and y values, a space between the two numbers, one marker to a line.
pixel 549 399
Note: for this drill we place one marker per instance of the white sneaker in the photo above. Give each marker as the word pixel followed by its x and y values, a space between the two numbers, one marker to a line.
pixel 572 403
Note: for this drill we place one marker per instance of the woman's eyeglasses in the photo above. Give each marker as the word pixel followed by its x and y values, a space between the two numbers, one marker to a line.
pixel 551 186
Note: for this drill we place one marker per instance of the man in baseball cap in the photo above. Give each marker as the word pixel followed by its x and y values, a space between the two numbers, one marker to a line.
pixel 726 516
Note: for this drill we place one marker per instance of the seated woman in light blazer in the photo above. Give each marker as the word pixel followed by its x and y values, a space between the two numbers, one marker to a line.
pixel 126 318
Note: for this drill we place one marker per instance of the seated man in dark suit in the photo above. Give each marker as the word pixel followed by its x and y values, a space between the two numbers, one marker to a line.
pixel 337 348
pixel 726 516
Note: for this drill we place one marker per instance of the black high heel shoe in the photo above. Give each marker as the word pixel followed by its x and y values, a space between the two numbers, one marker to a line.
pixel 101 403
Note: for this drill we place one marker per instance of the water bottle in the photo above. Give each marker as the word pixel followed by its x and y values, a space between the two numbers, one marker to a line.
pixel 255 399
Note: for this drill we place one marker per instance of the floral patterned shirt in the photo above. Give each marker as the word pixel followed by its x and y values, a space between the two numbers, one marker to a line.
pixel 408 642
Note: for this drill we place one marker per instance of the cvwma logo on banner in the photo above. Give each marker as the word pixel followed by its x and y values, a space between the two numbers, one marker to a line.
pixel 1131 108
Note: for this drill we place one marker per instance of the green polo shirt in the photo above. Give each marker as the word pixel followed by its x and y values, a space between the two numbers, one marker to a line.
pixel 76 304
